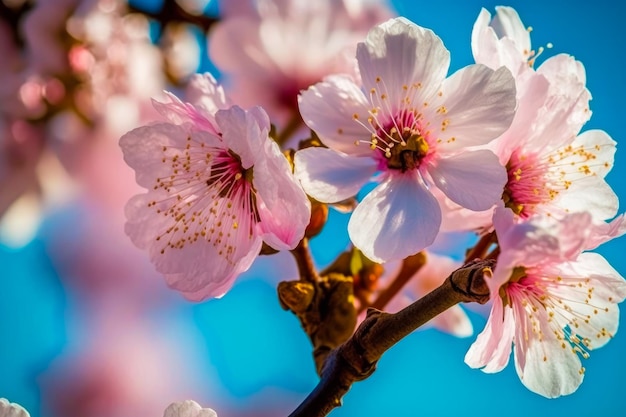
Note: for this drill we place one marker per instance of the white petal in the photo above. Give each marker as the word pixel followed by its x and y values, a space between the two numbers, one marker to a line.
pixel 591 154
pixel 330 176
pixel 328 108
pixel 398 218
pixel 399 53
pixel 474 180
pixel 479 106
pixel 492 348
pixel 507 23
pixel 549 369
pixel 488 49
pixel 592 195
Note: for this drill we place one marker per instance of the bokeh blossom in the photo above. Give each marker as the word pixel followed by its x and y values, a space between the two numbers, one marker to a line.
pixel 411 127
pixel 188 408
pixel 551 300
pixel 8 409
pixel 218 188
pixel 270 50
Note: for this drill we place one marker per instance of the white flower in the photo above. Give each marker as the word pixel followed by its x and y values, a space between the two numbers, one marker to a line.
pixel 411 127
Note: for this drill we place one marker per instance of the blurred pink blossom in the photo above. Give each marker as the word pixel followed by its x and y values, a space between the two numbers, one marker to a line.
pixel 270 50
pixel 188 408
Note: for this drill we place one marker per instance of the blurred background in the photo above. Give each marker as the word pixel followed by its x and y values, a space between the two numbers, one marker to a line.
pixel 89 329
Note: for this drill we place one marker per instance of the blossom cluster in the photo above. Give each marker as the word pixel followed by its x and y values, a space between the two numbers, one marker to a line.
pixel 494 149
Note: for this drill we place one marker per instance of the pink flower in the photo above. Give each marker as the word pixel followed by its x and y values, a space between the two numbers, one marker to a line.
pixel 550 169
pixel 410 126
pixel 188 408
pixel 217 188
pixel 270 50
pixel 8 409
pixel 552 302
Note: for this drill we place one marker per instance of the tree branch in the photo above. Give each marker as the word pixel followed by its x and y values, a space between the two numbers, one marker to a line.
pixel 410 266
pixel 356 359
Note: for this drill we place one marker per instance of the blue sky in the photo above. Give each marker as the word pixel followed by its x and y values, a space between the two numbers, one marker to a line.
pixel 256 354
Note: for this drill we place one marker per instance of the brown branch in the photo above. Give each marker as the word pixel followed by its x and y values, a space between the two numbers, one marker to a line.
pixel 410 266
pixel 480 249
pixel 356 359
pixel 302 255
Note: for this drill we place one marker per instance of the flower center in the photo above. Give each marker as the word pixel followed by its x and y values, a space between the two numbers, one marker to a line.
pixel 411 148
pixel 527 185
pixel 400 142
pixel 208 196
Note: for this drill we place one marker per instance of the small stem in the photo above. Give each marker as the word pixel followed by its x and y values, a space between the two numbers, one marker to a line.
pixel 410 266
pixel 304 260
pixel 290 128
pixel 480 249
pixel 356 359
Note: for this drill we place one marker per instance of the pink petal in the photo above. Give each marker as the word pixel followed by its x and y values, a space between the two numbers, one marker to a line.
pixel 180 113
pixel 199 268
pixel 532 95
pixel 244 132
pixel 329 107
pixel 603 232
pixel 542 239
pixel 492 347
pixel 474 180
pixel 398 218
pixel 400 53
pixel 330 176
pixel 479 106
pixel 145 148
pixel 566 108
pixel 283 206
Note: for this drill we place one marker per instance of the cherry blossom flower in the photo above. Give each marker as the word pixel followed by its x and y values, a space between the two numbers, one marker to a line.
pixel 218 187
pixel 270 50
pixel 552 302
pixel 8 409
pixel 188 408
pixel 409 126
pixel 552 169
